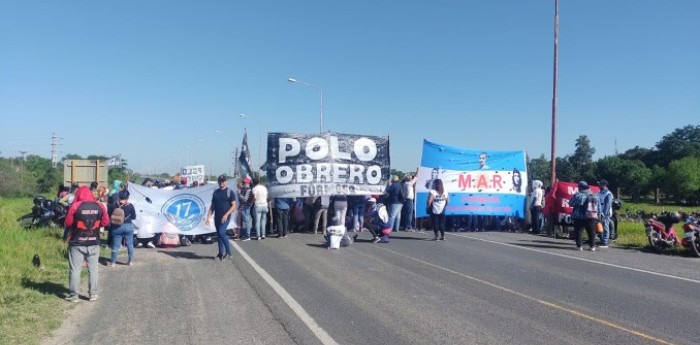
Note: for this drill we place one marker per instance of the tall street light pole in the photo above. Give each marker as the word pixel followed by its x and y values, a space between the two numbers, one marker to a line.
pixel 292 80
pixel 554 92
pixel 259 138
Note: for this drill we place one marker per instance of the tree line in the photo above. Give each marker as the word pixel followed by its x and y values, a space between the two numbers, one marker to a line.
pixel 670 171
pixel 36 175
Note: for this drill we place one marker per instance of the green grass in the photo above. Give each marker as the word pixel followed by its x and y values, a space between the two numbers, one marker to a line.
pixel 30 297
pixel 631 235
pixel 648 207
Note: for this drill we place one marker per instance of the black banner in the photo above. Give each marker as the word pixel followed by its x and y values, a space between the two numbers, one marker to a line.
pixel 244 158
pixel 301 165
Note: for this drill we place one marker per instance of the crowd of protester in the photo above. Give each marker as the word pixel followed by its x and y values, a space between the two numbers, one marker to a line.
pixel 255 215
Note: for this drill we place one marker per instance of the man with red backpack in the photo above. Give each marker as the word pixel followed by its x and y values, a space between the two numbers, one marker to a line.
pixel 84 219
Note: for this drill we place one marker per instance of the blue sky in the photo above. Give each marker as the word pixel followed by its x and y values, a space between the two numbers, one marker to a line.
pixel 156 80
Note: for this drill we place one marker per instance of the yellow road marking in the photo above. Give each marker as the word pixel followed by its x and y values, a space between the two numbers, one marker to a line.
pixel 543 302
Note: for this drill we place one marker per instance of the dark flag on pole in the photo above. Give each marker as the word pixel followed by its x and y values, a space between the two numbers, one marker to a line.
pixel 244 158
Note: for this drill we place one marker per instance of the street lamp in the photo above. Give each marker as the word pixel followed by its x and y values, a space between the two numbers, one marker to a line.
pixel 259 138
pixel 199 141
pixel 193 147
pixel 292 80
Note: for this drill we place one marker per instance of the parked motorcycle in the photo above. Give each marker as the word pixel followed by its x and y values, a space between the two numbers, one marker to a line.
pixel 662 234
pixel 45 213
pixel 692 236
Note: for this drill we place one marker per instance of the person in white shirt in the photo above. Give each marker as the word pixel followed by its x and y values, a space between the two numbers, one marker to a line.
pixel 408 192
pixel 537 197
pixel 437 204
pixel 261 207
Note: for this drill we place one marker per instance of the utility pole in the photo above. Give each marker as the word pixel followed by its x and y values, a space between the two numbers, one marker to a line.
pixel 235 164
pixel 554 91
pixel 232 162
pixel 24 155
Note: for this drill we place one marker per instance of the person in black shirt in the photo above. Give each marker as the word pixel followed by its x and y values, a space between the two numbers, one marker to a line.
pixel 125 230
pixel 223 203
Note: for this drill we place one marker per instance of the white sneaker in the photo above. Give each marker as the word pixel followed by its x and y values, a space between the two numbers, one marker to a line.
pixel 139 245
pixel 592 249
pixel 151 245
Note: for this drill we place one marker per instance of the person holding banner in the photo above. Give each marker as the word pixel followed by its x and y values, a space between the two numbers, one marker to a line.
pixel 244 205
pixel 223 203
pixel 437 204
pixel 408 193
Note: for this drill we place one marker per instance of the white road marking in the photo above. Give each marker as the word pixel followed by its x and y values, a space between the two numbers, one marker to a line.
pixel 320 333
pixel 543 302
pixel 582 259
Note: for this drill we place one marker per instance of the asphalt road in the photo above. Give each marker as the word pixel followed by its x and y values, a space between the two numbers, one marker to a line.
pixel 473 288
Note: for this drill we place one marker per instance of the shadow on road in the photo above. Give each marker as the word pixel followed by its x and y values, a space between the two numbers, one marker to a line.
pixel 186 255
pixel 46 287
pixel 544 242
pixel 411 238
pixel 317 245
pixel 559 246
pixel 676 251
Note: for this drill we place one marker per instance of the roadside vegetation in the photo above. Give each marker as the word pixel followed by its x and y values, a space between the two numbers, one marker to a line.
pixel 30 306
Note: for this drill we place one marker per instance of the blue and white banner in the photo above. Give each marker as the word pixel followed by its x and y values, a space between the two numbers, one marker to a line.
pixel 173 211
pixel 478 182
